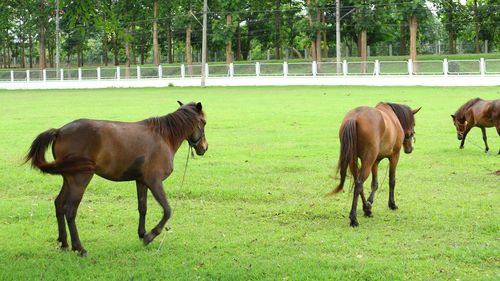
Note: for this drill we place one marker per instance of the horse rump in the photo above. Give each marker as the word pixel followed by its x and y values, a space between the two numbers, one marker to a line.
pixel 70 164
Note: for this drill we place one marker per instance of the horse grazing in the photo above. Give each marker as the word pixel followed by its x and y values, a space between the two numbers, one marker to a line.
pixel 119 151
pixel 477 113
pixel 372 134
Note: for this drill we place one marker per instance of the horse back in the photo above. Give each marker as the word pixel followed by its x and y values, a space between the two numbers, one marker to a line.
pixel 122 151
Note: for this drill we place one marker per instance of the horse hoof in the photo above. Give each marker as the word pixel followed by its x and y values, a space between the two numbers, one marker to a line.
pixel 393 206
pixel 82 253
pixel 461 147
pixel 64 248
pixel 368 214
pixel 354 224
pixel 148 238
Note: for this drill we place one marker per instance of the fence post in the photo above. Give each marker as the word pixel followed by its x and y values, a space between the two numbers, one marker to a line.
pixel 117 73
pixel 445 67
pixel 257 69
pixel 344 67
pixel 27 75
pixel 390 50
pixel 79 74
pixel 377 67
pixel 160 72
pixel 410 67
pixel 98 73
pixel 183 71
pixel 482 66
pixel 12 76
pixel 314 68
pixel 206 70
pixel 62 74
pixel 138 72
pixel 285 69
pixel 231 70
pixel 44 74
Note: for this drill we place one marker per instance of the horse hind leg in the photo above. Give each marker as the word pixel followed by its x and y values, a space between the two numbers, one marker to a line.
pixel 159 195
pixel 358 190
pixel 76 187
pixel 59 206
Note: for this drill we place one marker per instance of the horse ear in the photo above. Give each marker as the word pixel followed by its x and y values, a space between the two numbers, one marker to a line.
pixel 453 117
pixel 199 107
pixel 416 110
pixel 180 103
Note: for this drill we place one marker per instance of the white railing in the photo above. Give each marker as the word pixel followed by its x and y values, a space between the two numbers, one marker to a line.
pixel 480 67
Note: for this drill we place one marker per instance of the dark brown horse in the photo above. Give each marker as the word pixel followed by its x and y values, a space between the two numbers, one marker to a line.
pixel 372 134
pixel 477 113
pixel 119 151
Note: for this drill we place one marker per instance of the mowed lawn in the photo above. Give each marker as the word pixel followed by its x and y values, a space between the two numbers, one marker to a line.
pixel 252 208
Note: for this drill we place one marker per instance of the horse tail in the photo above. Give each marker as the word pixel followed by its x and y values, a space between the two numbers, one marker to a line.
pixel 348 153
pixel 68 165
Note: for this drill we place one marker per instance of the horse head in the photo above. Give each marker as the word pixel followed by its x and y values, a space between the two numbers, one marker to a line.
pixel 197 139
pixel 409 131
pixel 460 126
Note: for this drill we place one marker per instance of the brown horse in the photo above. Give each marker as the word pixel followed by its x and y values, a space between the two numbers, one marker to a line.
pixel 477 113
pixel 372 134
pixel 119 151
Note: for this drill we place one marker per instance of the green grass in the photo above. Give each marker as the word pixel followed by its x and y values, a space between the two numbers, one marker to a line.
pixel 253 207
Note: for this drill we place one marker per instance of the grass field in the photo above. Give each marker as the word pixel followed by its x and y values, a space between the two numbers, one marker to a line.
pixel 252 208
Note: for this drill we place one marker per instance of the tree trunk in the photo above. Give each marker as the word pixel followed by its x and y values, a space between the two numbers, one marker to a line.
pixel 156 49
pixel 363 51
pixel 313 41
pixel 189 52
pixel 452 48
pixel 169 40
pixel 325 43
pixel 238 42
pixel 127 54
pixel 476 28
pixel 143 45
pixel 277 23
pixel 115 48
pixel 41 34
pixel 21 43
pixel 413 40
pixel 402 30
pixel 318 35
pixel 105 49
pixel 229 47
pixel 30 45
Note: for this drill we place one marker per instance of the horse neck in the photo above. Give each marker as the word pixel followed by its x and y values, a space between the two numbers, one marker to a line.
pixel 178 130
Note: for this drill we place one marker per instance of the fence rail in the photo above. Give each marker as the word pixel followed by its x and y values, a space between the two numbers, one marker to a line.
pixel 481 67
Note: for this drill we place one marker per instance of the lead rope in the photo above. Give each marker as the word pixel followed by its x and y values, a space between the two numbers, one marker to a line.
pixel 175 204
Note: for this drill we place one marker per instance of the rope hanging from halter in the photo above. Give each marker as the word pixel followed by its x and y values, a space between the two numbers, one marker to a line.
pixel 190 149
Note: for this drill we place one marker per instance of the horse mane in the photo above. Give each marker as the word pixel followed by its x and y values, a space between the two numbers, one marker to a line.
pixel 404 114
pixel 175 125
pixel 460 113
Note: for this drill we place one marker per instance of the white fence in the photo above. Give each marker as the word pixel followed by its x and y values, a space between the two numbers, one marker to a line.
pixel 257 74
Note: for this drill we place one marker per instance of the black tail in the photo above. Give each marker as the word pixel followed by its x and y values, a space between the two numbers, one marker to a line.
pixel 348 153
pixel 67 165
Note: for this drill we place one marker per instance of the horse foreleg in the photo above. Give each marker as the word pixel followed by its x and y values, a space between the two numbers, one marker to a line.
pixel 61 224
pixel 393 162
pixel 374 182
pixel 485 139
pixel 142 202
pixel 159 194
pixel 76 187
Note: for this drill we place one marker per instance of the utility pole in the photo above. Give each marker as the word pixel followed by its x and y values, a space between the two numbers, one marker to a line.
pixel 57 39
pixel 204 44
pixel 337 35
